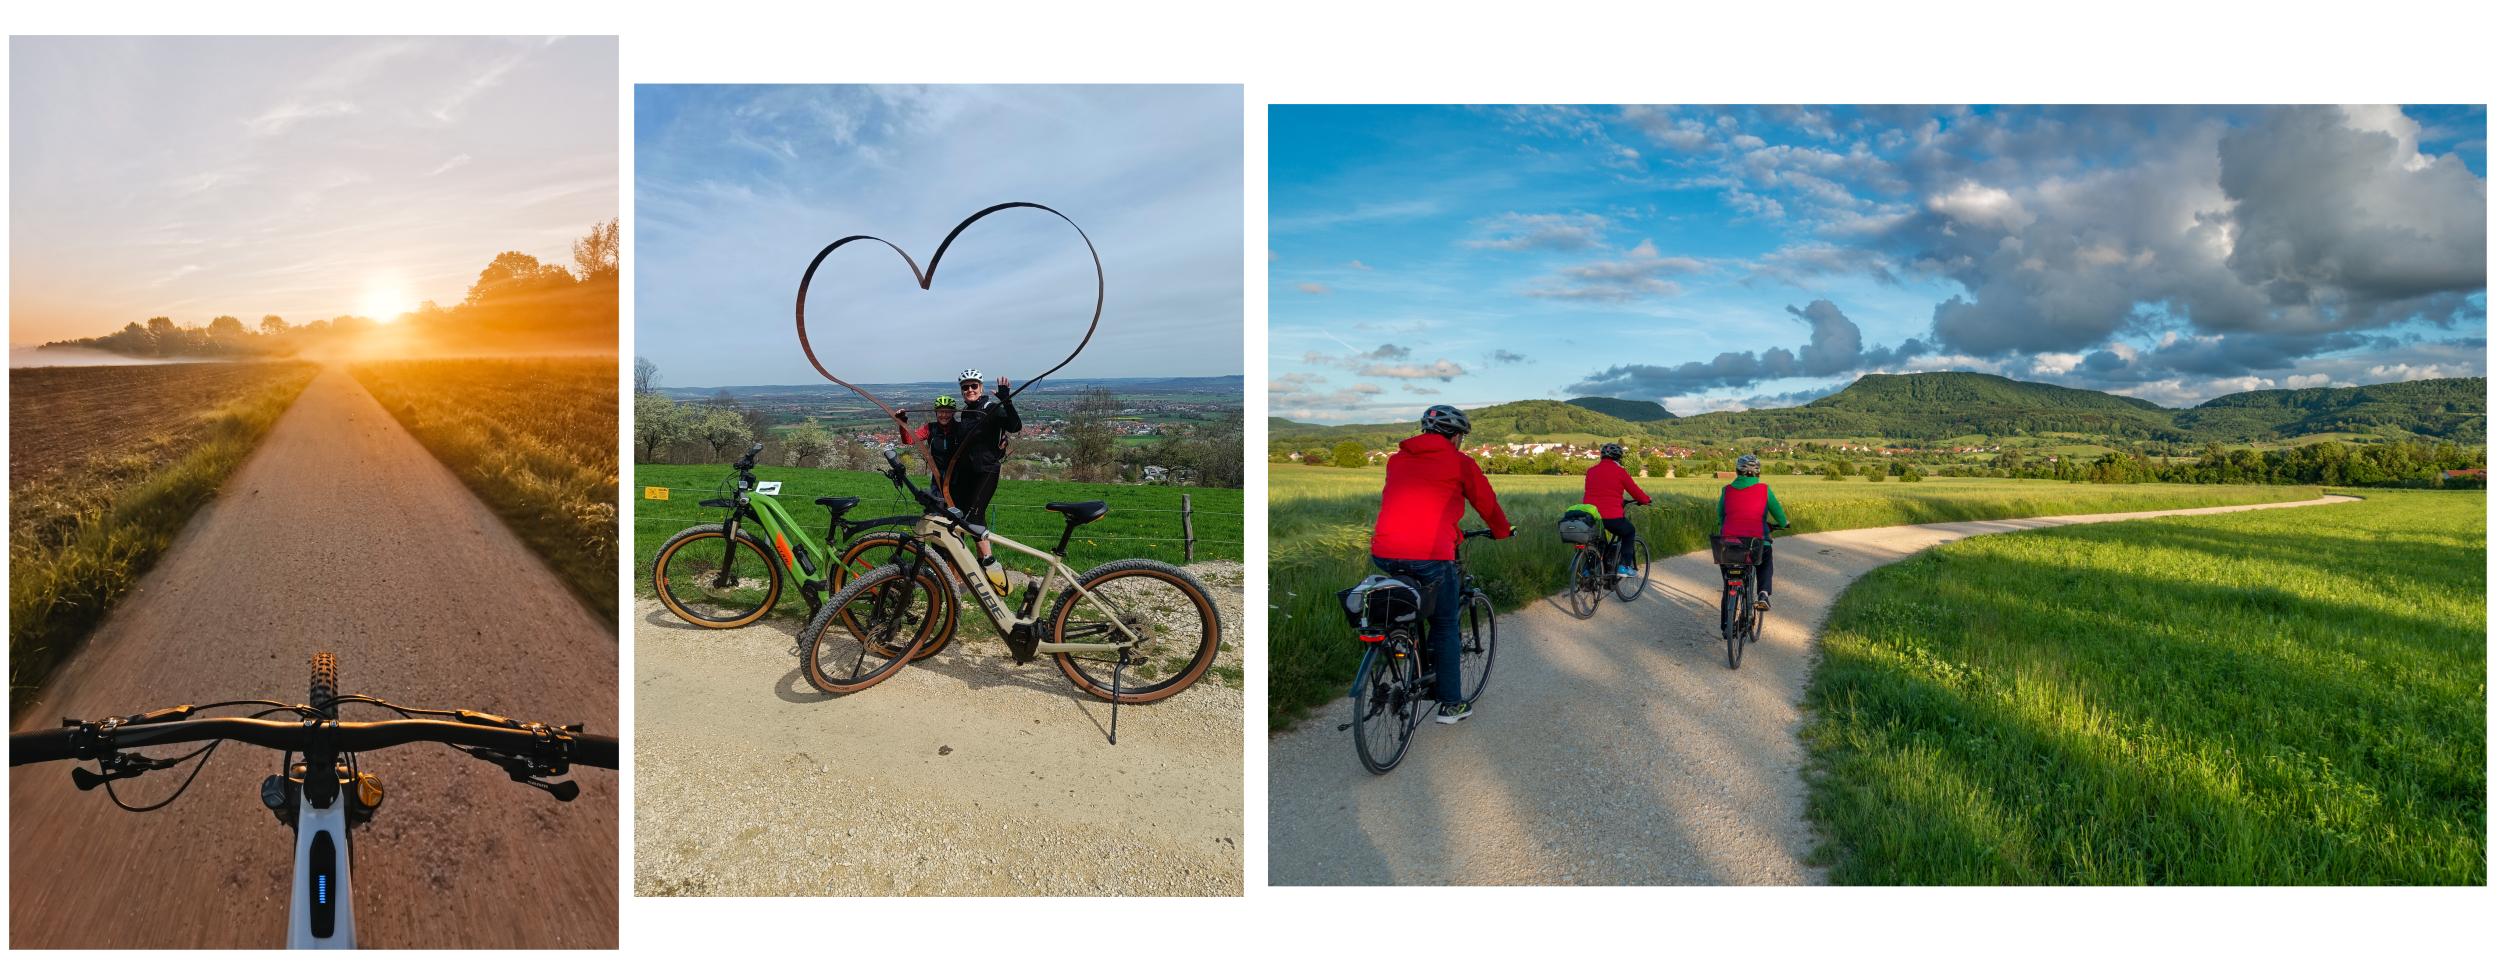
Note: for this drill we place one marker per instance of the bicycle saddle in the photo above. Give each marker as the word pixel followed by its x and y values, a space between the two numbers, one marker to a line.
pixel 1079 513
pixel 838 505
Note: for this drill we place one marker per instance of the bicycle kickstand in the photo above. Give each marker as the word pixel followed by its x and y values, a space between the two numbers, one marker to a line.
pixel 1115 696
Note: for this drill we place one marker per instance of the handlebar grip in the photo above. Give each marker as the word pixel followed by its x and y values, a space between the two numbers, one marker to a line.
pixel 594 750
pixel 33 747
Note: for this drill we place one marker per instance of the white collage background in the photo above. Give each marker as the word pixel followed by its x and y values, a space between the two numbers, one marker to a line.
pixel 1611 52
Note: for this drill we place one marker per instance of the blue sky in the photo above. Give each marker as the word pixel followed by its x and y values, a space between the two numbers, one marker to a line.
pixel 737 188
pixel 304 177
pixel 1713 258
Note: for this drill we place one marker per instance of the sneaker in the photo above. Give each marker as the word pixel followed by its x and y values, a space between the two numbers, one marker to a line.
pixel 1762 603
pixel 1452 712
pixel 1624 571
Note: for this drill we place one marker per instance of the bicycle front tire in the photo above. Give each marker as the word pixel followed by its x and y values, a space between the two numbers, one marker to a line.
pixel 686 576
pixel 1630 588
pixel 866 632
pixel 871 550
pixel 1386 696
pixel 1185 631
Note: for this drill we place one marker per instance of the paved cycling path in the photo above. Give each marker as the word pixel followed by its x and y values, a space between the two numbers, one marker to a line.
pixel 1617 750
pixel 340 533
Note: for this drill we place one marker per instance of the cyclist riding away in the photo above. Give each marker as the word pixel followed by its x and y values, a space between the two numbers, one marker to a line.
pixel 1605 485
pixel 1747 508
pixel 1430 484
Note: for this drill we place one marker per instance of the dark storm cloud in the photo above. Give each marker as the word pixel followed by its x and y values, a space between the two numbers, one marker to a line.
pixel 1834 346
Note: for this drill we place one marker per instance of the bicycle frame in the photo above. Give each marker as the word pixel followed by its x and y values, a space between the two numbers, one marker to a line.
pixel 321 912
pixel 1018 625
pixel 781 530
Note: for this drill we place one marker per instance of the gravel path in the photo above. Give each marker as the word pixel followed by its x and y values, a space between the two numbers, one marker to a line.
pixel 1617 750
pixel 963 774
pixel 340 533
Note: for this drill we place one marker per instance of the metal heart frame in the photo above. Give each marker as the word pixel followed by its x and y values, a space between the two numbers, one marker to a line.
pixel 924 278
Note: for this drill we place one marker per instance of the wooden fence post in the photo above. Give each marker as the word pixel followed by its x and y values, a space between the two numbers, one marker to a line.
pixel 1189 537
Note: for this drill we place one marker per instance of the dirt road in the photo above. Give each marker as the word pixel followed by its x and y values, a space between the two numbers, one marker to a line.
pixel 1617 750
pixel 963 774
pixel 340 533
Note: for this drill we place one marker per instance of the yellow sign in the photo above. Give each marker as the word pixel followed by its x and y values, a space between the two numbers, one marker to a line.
pixel 655 494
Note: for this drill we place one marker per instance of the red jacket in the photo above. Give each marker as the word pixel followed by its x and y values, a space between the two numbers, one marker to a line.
pixel 1430 485
pixel 1607 481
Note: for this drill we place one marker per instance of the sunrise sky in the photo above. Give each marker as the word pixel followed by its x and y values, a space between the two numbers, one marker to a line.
pixel 304 177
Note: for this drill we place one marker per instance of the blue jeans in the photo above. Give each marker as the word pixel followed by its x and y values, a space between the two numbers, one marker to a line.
pixel 1441 642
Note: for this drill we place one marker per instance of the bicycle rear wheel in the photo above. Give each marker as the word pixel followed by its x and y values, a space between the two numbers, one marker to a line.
pixel 1584 595
pixel 865 632
pixel 1630 588
pixel 1386 696
pixel 697 577
pixel 1743 625
pixel 1172 611
pixel 1475 645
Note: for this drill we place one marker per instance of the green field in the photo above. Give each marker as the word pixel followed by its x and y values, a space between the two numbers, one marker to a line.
pixel 2281 697
pixel 1143 524
pixel 1320 521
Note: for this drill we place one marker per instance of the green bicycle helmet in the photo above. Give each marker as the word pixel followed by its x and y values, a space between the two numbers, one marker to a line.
pixel 947 401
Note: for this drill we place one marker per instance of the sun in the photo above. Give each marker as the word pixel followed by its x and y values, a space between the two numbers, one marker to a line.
pixel 383 304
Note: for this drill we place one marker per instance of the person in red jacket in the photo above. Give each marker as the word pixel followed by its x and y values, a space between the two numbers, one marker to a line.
pixel 1605 485
pixel 1747 508
pixel 1430 484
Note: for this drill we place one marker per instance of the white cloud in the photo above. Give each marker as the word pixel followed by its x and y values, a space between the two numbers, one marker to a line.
pixel 1313 288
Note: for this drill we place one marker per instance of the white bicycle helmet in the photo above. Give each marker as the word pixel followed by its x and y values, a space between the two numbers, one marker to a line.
pixel 1749 466
pixel 968 376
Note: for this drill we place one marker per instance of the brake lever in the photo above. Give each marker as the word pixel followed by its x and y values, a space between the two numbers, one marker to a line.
pixel 120 765
pixel 526 769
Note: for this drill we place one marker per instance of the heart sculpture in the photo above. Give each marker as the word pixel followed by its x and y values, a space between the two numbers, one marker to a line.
pixel 924 278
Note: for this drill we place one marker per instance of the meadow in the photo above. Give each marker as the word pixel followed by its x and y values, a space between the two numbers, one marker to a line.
pixel 2278 697
pixel 1144 523
pixel 1320 521
pixel 534 438
pixel 83 527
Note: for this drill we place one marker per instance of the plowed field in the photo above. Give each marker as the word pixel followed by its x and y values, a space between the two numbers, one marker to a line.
pixel 59 415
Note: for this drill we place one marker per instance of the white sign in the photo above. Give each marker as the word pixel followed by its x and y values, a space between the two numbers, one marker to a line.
pixel 768 487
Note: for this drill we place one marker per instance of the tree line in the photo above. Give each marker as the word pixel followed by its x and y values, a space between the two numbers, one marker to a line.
pixel 719 429
pixel 517 303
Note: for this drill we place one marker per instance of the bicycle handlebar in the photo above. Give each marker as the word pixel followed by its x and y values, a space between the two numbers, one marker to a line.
pixel 92 742
pixel 1475 533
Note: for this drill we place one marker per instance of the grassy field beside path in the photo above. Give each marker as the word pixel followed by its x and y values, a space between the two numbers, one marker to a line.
pixel 1320 522
pixel 1144 523
pixel 2295 696
pixel 534 438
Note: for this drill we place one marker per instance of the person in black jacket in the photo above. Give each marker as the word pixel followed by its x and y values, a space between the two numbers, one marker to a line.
pixel 979 446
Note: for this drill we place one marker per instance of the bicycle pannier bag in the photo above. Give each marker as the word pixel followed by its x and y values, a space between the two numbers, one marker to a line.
pixel 1578 529
pixel 1381 602
pixel 1735 550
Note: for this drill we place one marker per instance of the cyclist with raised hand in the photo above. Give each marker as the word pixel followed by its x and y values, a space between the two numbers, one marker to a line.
pixel 1747 508
pixel 1604 488
pixel 987 421
pixel 1430 484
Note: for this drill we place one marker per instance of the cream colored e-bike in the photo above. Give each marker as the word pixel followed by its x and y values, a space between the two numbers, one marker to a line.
pixel 1128 632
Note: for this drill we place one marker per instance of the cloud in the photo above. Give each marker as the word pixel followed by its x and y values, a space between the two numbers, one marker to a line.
pixel 1313 287
pixel 1797 265
pixel 292 112
pixel 1358 266
pixel 1543 232
pixel 1835 346
pixel 1641 274
pixel 1389 350
pixel 449 164
pixel 1506 357
pixel 1418 328
pixel 1441 369
pixel 1419 390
